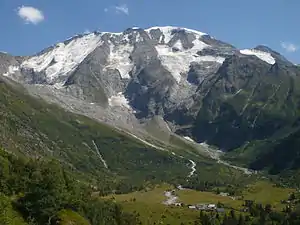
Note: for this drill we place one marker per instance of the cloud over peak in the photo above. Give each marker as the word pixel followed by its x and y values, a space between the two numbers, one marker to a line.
pixel 289 47
pixel 30 14
pixel 119 9
pixel 122 9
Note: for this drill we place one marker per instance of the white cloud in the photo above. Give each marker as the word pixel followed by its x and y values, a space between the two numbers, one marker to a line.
pixel 289 47
pixel 122 9
pixel 118 9
pixel 30 14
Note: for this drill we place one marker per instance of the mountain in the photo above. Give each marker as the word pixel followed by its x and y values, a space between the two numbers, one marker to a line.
pixel 162 81
pixel 33 128
pixel 96 153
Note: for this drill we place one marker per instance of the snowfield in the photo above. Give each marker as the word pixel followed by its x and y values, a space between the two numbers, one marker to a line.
pixel 264 56
pixel 119 100
pixel 178 62
pixel 11 70
pixel 64 57
pixel 119 59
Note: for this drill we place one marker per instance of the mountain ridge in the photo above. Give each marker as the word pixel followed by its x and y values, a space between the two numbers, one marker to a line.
pixel 196 85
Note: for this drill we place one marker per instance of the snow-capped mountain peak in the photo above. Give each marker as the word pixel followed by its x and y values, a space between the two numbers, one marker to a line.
pixel 176 48
pixel 63 58
pixel 129 77
pixel 169 31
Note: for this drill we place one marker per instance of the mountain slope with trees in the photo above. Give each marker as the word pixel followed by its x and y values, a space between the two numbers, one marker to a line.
pixel 42 192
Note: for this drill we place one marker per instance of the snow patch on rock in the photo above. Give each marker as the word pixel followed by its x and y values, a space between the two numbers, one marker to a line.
pixel 119 100
pixel 11 70
pixel 111 33
pixel 59 85
pixel 189 139
pixel 179 62
pixel 119 59
pixel 194 31
pixel 178 45
pixel 264 56
pixel 139 38
pixel 64 58
pixel 168 32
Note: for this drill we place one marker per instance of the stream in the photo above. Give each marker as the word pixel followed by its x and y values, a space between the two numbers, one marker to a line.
pixel 216 155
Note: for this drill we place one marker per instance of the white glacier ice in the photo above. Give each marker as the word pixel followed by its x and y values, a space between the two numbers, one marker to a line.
pixel 264 56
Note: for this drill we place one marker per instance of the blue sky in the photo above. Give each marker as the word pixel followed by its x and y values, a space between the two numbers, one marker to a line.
pixel 243 23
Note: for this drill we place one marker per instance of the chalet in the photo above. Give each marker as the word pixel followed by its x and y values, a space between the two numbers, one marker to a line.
pixel 178 204
pixel 224 194
pixel 201 206
pixel 211 206
pixel 192 207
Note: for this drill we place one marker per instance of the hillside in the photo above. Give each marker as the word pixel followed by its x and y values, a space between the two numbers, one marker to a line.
pixel 34 128
pixel 42 192
pixel 97 152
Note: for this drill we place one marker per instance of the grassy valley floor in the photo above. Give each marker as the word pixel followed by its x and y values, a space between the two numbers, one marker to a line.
pixel 149 204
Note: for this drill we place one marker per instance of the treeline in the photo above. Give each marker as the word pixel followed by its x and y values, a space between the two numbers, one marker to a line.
pixel 217 186
pixel 39 192
pixel 256 214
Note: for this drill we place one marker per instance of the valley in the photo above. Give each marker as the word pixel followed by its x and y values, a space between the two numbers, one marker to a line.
pixel 147 126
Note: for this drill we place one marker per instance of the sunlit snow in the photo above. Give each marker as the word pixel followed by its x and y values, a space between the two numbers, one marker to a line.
pixel 139 38
pixel 178 63
pixel 178 45
pixel 63 58
pixel 265 56
pixel 119 59
pixel 59 85
pixel 189 139
pixel 119 100
pixel 11 70
pixel 167 31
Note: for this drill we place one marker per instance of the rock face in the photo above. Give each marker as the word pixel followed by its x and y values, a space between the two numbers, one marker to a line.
pixel 202 87
pixel 246 99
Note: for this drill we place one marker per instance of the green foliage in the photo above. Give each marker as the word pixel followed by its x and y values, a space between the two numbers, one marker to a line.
pixel 67 217
pixel 47 194
pixel 31 127
pixel 278 155
pixel 7 214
